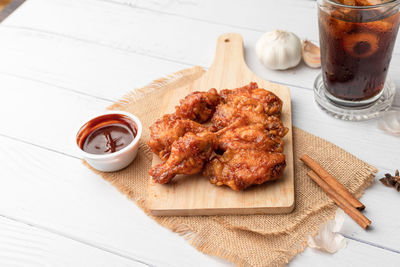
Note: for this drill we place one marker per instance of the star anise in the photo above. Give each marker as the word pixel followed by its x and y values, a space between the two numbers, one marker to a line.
pixel 392 181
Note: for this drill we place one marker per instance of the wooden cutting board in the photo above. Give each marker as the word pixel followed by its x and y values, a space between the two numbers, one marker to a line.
pixel 195 195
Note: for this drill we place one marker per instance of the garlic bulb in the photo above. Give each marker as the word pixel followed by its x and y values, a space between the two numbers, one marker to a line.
pixel 279 50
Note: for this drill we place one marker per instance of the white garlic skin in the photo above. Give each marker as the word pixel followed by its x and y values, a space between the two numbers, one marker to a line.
pixel 390 122
pixel 279 50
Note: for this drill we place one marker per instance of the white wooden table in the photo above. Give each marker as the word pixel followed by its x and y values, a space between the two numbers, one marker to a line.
pixel 62 61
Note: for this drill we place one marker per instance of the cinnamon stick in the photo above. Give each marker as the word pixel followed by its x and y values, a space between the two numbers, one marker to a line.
pixel 354 213
pixel 332 182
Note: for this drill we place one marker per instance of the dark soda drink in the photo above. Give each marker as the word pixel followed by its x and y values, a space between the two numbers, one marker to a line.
pixel 356 48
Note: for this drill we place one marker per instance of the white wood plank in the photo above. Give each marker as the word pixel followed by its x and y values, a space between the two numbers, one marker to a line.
pixel 260 16
pixel 355 254
pixel 166 36
pixel 382 216
pixel 137 44
pixel 257 15
pixel 61 103
pixel 78 66
pixel 55 133
pixel 49 71
pixel 25 245
pixel 362 139
pixel 45 186
pixel 298 16
pixel 61 195
pixel 39 114
pixel 51 118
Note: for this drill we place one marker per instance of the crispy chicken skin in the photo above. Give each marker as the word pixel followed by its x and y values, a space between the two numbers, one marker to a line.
pixel 274 126
pixel 198 106
pixel 272 104
pixel 165 131
pixel 240 169
pixel 245 129
pixel 241 135
pixel 255 104
pixel 188 156
pixel 240 107
pixel 248 109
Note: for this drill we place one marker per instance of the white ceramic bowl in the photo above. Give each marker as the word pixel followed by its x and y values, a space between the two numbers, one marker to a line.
pixel 117 160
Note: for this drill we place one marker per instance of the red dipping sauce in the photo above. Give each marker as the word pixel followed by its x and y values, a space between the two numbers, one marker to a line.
pixel 106 134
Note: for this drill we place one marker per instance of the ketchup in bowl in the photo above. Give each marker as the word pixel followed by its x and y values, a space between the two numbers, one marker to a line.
pixel 107 134
pixel 110 142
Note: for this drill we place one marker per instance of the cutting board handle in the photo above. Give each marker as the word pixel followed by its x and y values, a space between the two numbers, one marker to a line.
pixel 229 56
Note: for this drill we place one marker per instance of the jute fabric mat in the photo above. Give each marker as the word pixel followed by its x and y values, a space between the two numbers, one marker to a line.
pixel 246 240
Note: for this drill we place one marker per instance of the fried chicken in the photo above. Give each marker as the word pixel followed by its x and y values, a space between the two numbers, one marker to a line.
pixel 241 135
pixel 248 109
pixel 242 168
pixel 188 156
pixel 245 128
pixel 241 107
pixel 274 126
pixel 272 104
pixel 165 131
pixel 198 106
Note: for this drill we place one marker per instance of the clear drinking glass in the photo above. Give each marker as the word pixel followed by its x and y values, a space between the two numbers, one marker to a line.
pixel 356 48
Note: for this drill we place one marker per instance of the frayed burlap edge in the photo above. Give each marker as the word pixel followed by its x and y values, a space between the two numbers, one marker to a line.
pixel 168 81
pixel 193 237
pixel 368 171
pixel 198 239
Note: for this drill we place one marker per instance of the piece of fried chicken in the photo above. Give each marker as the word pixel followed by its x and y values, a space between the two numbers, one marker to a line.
pixel 249 109
pixel 240 169
pixel 271 103
pixel 165 131
pixel 198 106
pixel 188 156
pixel 241 135
pixel 241 107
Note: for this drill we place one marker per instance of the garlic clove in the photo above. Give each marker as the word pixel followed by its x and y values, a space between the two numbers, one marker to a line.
pixel 390 122
pixel 311 54
pixel 279 50
pixel 328 239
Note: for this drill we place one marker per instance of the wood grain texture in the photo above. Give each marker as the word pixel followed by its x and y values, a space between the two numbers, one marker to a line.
pixel 355 254
pixel 31 164
pixel 110 48
pixel 305 114
pixel 194 195
pixel 25 245
pixel 201 21
pixel 58 194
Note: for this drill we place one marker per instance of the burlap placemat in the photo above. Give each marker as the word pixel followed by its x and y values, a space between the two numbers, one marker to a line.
pixel 247 240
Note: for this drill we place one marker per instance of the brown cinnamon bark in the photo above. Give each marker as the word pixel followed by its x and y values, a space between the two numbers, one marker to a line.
pixel 355 214
pixel 332 182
